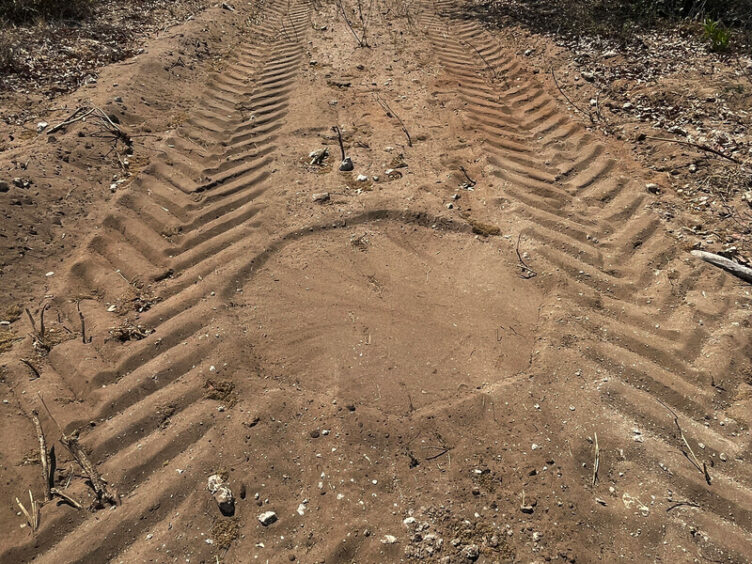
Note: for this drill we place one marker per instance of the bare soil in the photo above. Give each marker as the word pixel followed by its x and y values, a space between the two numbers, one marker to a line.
pixel 488 342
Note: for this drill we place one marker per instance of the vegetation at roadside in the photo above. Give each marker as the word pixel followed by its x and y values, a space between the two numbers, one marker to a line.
pixel 25 11
pixel 725 24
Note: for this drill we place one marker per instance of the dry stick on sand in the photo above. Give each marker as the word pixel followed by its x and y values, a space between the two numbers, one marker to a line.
pixel 339 138
pixel 575 106
pixel 33 323
pixel 49 491
pixel 33 517
pixel 42 455
pixel 65 497
pixel 78 115
pixel 527 272
pixel 703 469
pixel 83 323
pixel 361 42
pixel 597 462
pixel 391 113
pixel 493 70
pixel 728 265
pixel 697 146
pixel 31 366
pixel 104 495
pixel 470 182
pixel 71 443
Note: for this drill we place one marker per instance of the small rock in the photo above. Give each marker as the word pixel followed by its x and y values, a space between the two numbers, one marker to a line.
pixel 4 186
pixel 589 76
pixel 227 6
pixel 389 539
pixel 409 521
pixel 471 552
pixel 321 197
pixel 346 165
pixel 450 206
pixel 723 457
pixel 315 434
pixel 222 494
pixel 528 52
pixel 112 308
pixel 118 99
pixel 361 178
pixel 537 536
pixel 41 126
pixel 653 188
pixel 267 518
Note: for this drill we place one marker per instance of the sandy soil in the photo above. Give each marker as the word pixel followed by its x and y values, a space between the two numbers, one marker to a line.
pixel 481 344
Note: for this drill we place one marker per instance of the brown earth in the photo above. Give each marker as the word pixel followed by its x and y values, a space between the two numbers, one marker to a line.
pixel 482 344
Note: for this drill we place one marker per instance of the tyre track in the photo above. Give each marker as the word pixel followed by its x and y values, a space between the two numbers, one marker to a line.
pixel 186 212
pixel 608 249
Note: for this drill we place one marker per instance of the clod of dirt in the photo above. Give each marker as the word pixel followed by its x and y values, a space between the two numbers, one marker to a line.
pixel 224 532
pixel 6 340
pixel 221 390
pixel 130 332
pixel 485 229
pixel 222 494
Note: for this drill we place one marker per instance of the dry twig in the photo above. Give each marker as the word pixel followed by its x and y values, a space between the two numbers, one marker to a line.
pixel 697 146
pixel 33 517
pixel 527 272
pixel 597 463
pixel 361 40
pixel 391 113
pixel 43 456
pixel 31 367
pixel 65 497
pixel 689 453
pixel 339 139
pixel 104 495
pixel 575 106
pixel 83 323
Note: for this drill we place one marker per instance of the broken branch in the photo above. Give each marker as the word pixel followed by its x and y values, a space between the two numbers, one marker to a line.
pixel 728 265
pixel 689 453
pixel 42 455
pixel 527 272
pixel 65 497
pixel 575 106
pixel 597 463
pixel 31 367
pixel 697 146
pixel 104 495
pixel 391 113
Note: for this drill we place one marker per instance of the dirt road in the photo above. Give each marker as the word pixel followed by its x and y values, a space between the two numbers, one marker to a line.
pixel 479 345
